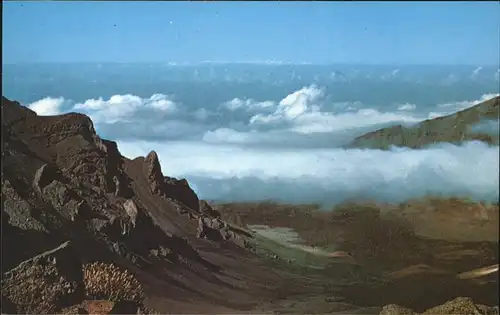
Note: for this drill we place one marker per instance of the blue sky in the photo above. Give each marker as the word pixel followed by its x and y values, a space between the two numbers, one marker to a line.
pixel 316 32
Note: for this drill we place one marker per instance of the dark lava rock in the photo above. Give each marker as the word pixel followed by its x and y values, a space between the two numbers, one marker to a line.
pixel 153 173
pixel 206 209
pixel 179 190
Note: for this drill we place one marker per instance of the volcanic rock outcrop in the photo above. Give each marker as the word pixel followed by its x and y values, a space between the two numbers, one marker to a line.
pixel 61 182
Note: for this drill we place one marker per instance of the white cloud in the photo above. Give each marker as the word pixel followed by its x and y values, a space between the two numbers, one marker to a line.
pixel 407 107
pixel 161 102
pixel 235 104
pixel 300 111
pixel 247 104
pixel 475 72
pixel 450 108
pixel 433 115
pixel 129 116
pixel 283 161
pixel 292 106
pixel 124 107
pixel 48 106
pixel 301 119
pixel 329 122
pixel 299 102
pixel 347 106
pixel 226 135
pixel 282 138
pixel 328 175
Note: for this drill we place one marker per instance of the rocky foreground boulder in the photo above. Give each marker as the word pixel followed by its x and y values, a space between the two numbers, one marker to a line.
pixel 458 306
pixel 45 283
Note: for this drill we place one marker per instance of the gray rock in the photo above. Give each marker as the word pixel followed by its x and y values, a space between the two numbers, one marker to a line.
pixel 116 181
pixel 458 306
pixel 43 177
pixel 19 210
pixel 216 224
pixel 201 228
pixel 394 309
pixel 119 249
pixel 154 173
pixel 131 210
pixel 61 198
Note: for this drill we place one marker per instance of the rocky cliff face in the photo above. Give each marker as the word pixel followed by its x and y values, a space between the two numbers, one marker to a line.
pixel 61 182
pixel 452 128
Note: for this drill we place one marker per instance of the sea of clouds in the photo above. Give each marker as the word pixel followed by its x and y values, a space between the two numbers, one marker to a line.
pixel 290 149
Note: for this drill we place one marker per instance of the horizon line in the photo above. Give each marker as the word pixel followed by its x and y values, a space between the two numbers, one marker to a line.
pixel 262 63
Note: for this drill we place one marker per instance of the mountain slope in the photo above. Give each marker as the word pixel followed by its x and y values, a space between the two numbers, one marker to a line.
pixel 61 182
pixel 452 128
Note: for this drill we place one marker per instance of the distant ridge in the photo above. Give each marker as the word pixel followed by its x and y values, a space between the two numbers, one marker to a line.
pixel 454 128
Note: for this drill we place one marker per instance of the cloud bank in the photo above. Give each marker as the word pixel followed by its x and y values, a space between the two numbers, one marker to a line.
pixel 303 112
pixel 328 175
pixel 48 106
pixel 119 108
pixel 287 149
